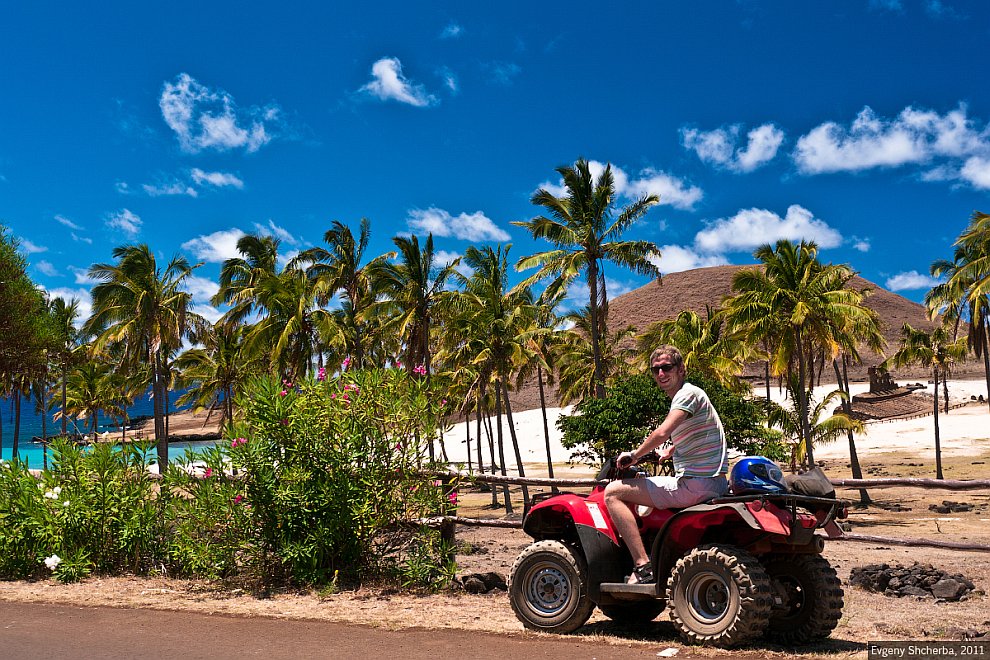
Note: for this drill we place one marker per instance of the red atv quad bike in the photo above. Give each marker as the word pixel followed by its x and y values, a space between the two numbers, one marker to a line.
pixel 733 569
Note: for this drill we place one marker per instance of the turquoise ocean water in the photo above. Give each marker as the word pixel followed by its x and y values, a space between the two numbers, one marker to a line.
pixel 31 426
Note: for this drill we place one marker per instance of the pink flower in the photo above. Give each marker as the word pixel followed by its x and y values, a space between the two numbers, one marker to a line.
pixel 238 441
pixel 419 370
pixel 333 396
pixel 283 392
pixel 437 483
pixel 398 364
pixel 453 498
pixel 346 363
pixel 208 473
pixel 321 375
pixel 285 422
pixel 237 500
pixel 443 402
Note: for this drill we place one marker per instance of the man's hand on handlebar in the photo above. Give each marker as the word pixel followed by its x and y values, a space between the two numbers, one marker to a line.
pixel 627 458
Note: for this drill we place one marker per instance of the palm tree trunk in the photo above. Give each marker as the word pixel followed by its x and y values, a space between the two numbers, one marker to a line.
pixel 64 397
pixel 158 396
pixel 515 443
pixel 945 390
pixel 501 444
pixel 803 403
pixel 17 424
pixel 467 439
pixel 766 372
pixel 986 361
pixel 491 452
pixel 938 442
pixel 546 426
pixel 599 374
pixel 857 471
pixel 44 428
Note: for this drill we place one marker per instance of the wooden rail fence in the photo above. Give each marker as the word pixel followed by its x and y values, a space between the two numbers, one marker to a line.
pixel 932 484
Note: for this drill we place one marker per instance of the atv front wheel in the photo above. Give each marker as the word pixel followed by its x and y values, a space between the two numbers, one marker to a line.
pixel 719 595
pixel 812 597
pixel 635 612
pixel 548 588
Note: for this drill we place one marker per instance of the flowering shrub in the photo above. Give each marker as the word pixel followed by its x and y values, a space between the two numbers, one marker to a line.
pixel 331 472
pixel 93 510
pixel 319 486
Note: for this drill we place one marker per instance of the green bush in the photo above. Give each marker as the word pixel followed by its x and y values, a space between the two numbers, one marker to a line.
pixel 634 405
pixel 323 485
pixel 94 510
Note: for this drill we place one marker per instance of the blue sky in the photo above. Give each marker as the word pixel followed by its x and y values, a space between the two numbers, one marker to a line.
pixel 862 125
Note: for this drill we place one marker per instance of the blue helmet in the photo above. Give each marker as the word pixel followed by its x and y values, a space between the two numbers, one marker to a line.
pixel 756 474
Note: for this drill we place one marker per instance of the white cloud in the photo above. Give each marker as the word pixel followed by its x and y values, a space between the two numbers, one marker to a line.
pixel 208 312
pixel 445 257
pixel 169 188
pixel 672 191
pixel 449 79
pixel 123 187
pixel 81 275
pixel 861 244
pixel 451 31
pixel 677 258
pixel 216 247
pixel 750 228
pixel 910 280
pixel 210 119
pixel 201 288
pixel 216 179
pixel 27 247
pixel 914 136
pixel 976 171
pixel 466 226
pixel 503 73
pixel 47 268
pixel 718 147
pixel 81 239
pixel 61 219
pixel 388 83
pixel 126 221
pixel 271 229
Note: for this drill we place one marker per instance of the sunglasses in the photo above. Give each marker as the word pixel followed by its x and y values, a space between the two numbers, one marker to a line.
pixel 666 368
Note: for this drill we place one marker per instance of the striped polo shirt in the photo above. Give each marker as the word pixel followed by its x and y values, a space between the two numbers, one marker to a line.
pixel 699 441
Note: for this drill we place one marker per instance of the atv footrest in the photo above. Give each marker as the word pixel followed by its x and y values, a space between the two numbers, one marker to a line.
pixel 623 588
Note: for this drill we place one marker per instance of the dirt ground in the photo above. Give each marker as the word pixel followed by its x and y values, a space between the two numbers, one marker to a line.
pixel 867 616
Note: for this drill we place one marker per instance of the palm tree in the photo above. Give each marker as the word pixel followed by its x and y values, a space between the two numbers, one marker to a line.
pixel 705 343
pixel 240 276
pixel 94 387
pixel 410 290
pixel 573 354
pixel 933 350
pixel 581 228
pixel 957 300
pixel 823 429
pixel 65 341
pixel 802 307
pixel 143 308
pixel 215 371
pixel 339 269
pixel 500 323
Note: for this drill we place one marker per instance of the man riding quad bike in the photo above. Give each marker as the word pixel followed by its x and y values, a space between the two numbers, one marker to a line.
pixel 735 568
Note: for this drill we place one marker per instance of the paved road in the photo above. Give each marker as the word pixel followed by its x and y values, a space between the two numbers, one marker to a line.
pixel 33 631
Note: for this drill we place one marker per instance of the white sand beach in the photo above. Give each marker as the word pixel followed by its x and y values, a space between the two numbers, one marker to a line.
pixel 963 431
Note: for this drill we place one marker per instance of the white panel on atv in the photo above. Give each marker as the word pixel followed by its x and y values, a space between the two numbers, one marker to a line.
pixel 642 510
pixel 596 515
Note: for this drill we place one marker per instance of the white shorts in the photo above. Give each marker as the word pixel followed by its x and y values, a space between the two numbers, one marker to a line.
pixel 678 493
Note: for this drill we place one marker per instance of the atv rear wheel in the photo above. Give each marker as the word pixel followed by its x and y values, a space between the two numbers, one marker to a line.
pixel 719 595
pixel 640 611
pixel 548 588
pixel 812 596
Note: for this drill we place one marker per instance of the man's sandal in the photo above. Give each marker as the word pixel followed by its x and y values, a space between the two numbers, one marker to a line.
pixel 642 575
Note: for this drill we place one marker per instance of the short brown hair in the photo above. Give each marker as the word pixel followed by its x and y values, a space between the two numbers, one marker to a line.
pixel 669 351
